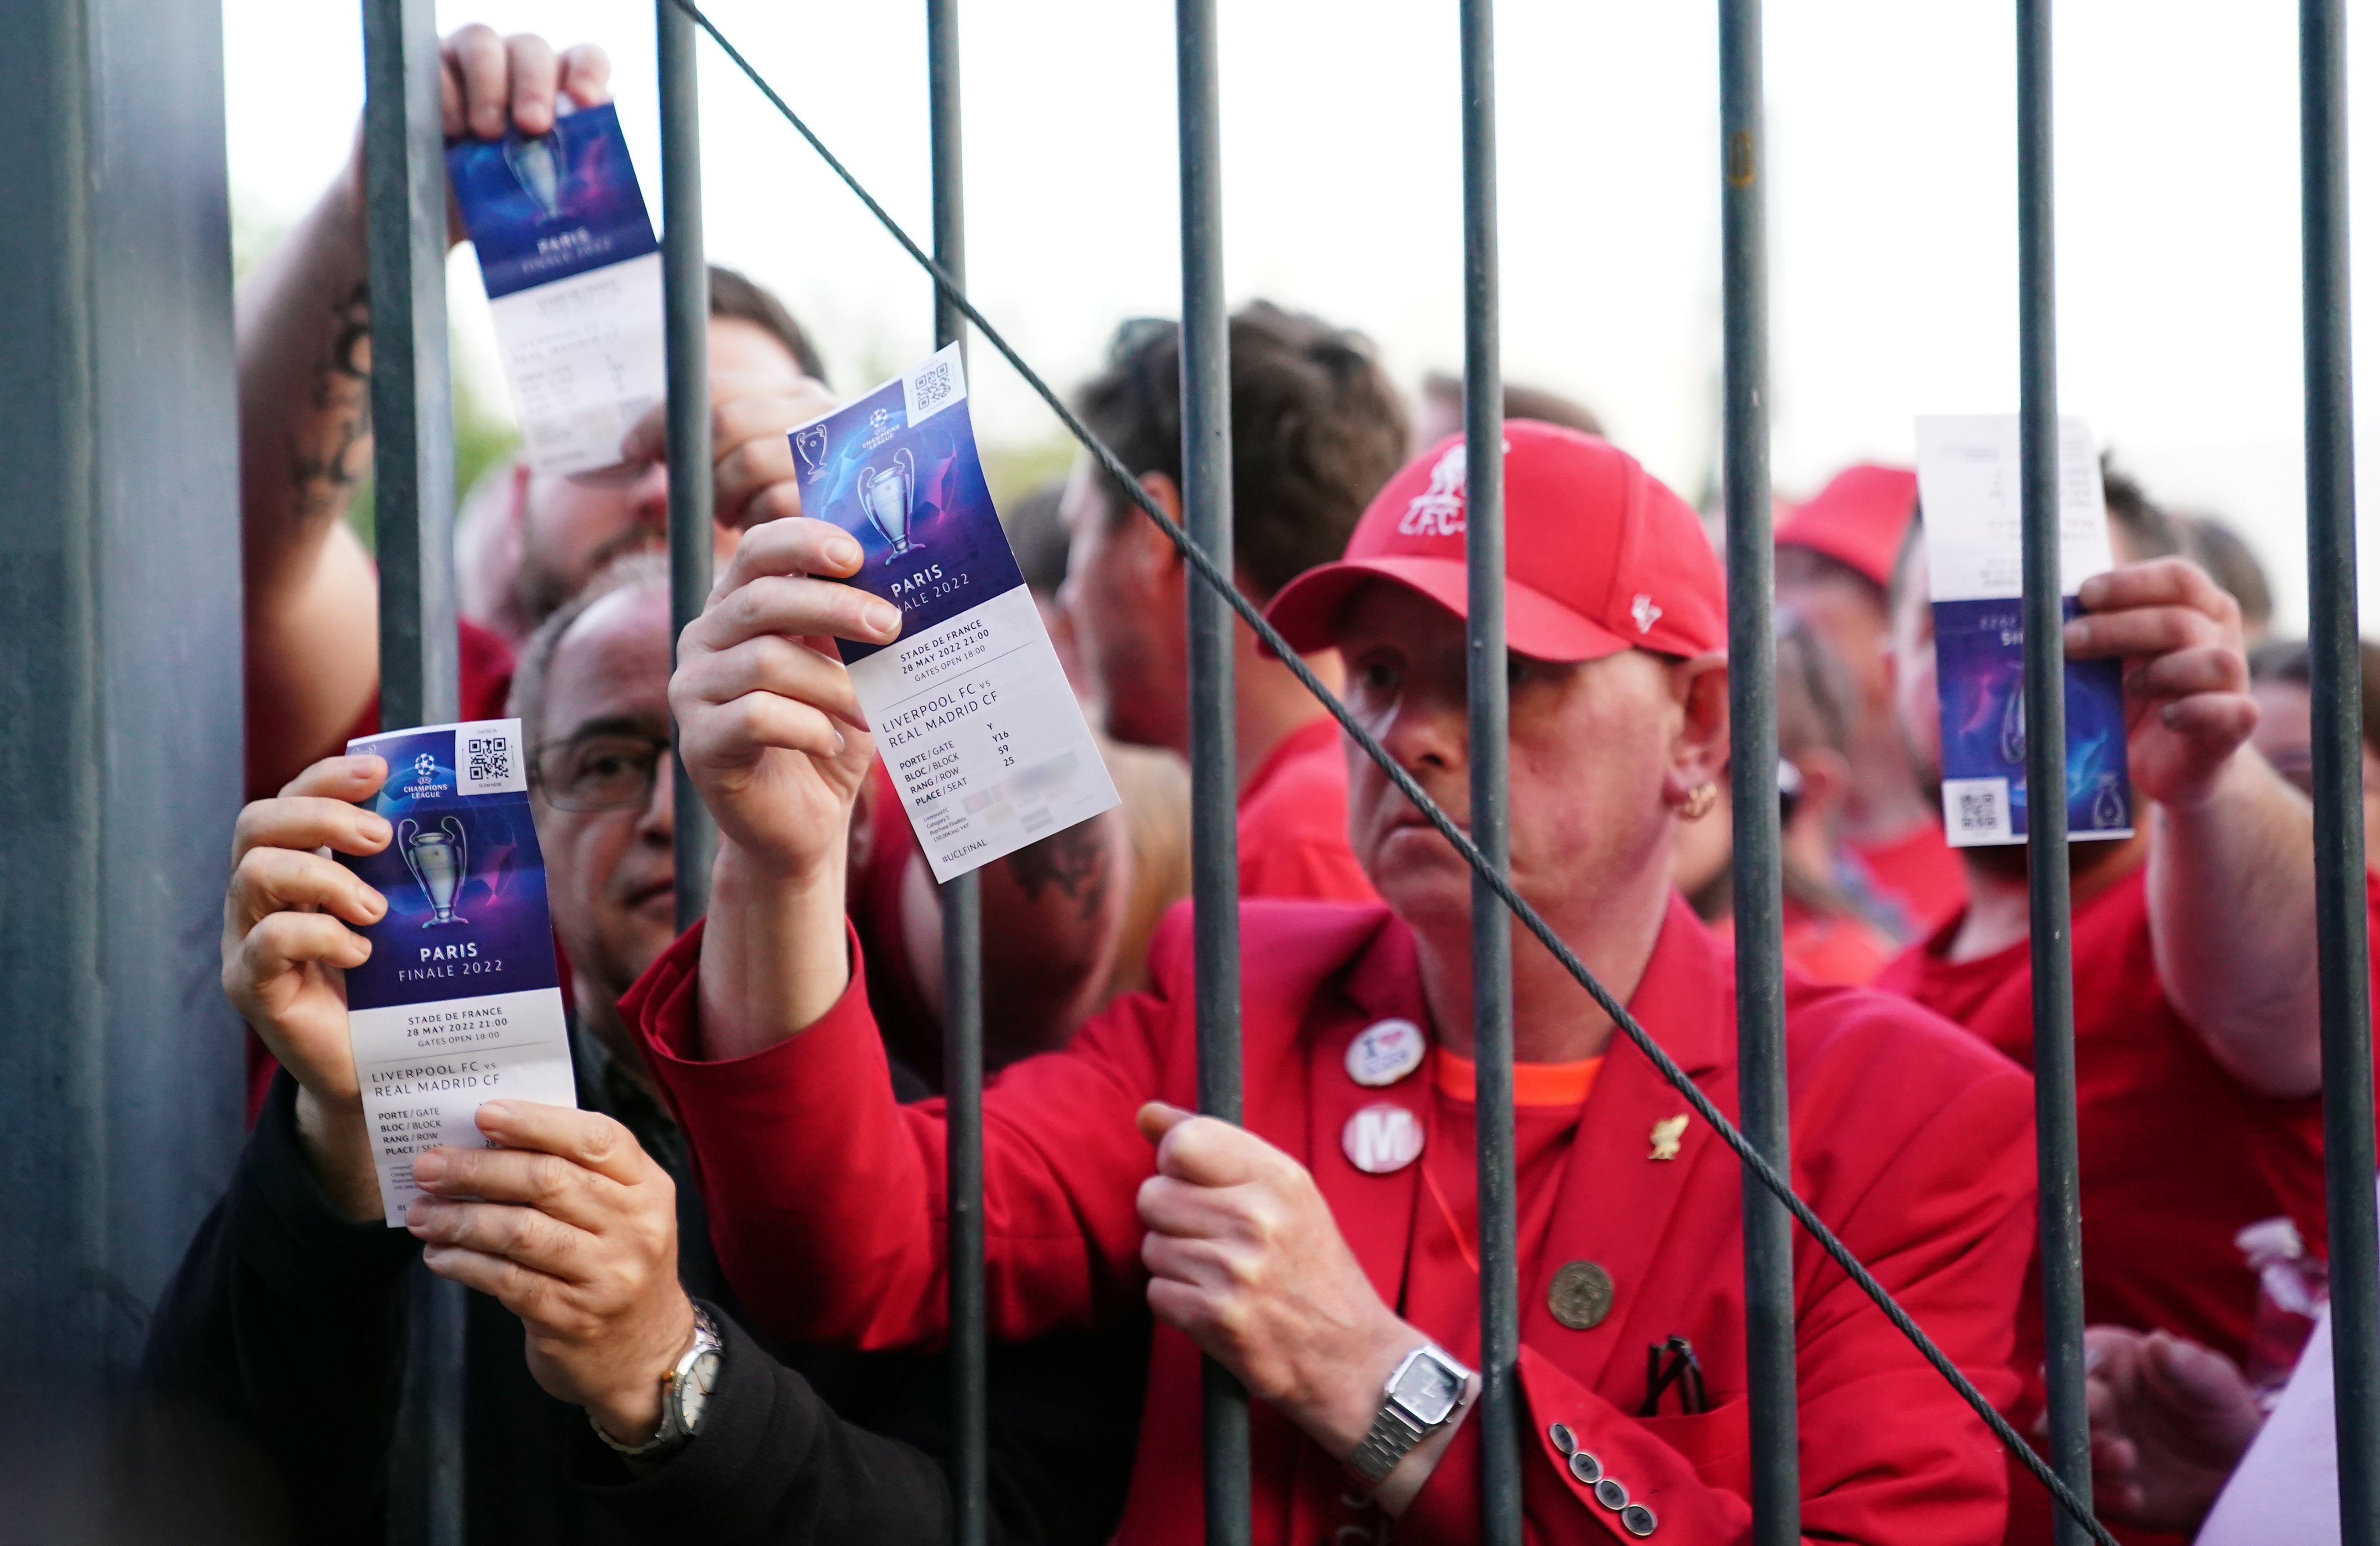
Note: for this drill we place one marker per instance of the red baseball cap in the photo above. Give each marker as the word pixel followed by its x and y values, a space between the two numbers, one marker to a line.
pixel 1857 519
pixel 1599 556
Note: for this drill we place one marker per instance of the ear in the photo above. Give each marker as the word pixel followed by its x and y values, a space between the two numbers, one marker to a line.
pixel 1698 752
pixel 1155 557
pixel 1825 781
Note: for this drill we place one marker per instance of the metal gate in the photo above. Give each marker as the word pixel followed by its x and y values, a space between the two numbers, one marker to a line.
pixel 413 473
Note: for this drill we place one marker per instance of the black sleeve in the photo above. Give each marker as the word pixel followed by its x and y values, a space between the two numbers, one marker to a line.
pixel 283 1327
pixel 773 1465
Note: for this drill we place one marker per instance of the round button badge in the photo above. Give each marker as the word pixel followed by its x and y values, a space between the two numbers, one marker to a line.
pixel 1385 1052
pixel 1381 1138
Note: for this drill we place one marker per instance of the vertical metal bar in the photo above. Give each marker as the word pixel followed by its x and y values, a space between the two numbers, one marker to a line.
pixel 1214 758
pixel 962 899
pixel 2337 769
pixel 685 289
pixel 2045 773
pixel 1751 710
pixel 1491 926
pixel 413 506
pixel 413 447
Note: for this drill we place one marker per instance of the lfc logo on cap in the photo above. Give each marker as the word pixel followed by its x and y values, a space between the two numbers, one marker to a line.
pixel 1645 612
pixel 1437 511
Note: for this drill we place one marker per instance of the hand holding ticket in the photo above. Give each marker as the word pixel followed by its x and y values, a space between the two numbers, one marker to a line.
pixel 460 1000
pixel 1968 475
pixel 574 280
pixel 971 709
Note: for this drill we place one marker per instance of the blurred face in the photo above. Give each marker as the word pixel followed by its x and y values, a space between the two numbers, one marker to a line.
pixel 1123 602
pixel 1915 701
pixel 2284 735
pixel 606 711
pixel 1597 763
pixel 1847 612
pixel 572 527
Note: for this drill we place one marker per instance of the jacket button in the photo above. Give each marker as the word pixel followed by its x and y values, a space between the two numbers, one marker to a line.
pixel 1637 1520
pixel 1580 1295
pixel 1563 1441
pixel 1610 1495
pixel 1585 1467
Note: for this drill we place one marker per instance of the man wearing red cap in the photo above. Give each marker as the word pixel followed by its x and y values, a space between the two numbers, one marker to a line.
pixel 1834 563
pixel 1326 1253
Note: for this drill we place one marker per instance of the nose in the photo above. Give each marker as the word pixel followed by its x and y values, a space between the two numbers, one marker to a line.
pixel 658 822
pixel 1427 732
pixel 649 497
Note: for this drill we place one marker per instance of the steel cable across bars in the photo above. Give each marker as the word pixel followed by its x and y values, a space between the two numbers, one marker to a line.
pixel 1212 575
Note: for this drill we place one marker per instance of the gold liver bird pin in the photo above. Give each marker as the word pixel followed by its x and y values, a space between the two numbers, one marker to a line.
pixel 1666 1133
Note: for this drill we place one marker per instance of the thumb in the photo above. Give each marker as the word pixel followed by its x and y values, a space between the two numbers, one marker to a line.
pixel 2199 1377
pixel 1157 1119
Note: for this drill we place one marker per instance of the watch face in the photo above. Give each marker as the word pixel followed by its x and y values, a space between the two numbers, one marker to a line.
pixel 694 1391
pixel 1427 1389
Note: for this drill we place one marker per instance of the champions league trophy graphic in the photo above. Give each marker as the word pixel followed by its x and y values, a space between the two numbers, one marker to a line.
pixel 2012 728
pixel 537 165
pixel 439 858
pixel 885 494
pixel 2108 805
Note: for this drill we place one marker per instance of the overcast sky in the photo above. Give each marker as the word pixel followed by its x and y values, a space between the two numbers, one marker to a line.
pixel 1892 202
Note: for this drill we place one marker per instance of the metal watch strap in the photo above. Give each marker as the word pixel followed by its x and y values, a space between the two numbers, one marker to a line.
pixel 673 1430
pixel 1392 1437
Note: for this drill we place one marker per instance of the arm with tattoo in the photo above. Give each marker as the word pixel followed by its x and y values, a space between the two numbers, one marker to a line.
pixel 1052 916
pixel 303 328
pixel 305 426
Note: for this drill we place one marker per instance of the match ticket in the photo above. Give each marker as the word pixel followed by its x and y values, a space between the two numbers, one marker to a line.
pixel 1968 482
pixel 971 710
pixel 461 1001
pixel 574 279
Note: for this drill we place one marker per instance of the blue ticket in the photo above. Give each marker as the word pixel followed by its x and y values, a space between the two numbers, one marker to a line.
pixel 574 279
pixel 971 709
pixel 461 1000
pixel 1968 481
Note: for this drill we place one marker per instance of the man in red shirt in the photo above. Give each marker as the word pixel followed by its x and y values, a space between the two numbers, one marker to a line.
pixel 1325 1252
pixel 1834 560
pixel 1316 430
pixel 2196 1021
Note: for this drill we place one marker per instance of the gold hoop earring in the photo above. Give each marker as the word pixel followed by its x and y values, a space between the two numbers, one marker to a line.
pixel 1699 804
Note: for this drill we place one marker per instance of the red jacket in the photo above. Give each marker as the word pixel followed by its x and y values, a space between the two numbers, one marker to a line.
pixel 1911 1139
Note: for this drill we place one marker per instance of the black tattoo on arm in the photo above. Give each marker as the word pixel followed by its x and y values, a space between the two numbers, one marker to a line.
pixel 327 457
pixel 1075 860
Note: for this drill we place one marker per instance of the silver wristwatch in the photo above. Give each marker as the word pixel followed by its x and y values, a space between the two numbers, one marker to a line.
pixel 685 1390
pixel 1421 1396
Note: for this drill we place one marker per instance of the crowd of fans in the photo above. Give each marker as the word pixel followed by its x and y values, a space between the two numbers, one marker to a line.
pixel 758 1141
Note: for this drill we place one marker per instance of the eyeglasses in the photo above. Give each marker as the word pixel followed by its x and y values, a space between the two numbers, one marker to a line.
pixel 603 771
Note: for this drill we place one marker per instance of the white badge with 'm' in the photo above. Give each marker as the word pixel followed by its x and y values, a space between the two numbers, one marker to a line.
pixel 1381 1138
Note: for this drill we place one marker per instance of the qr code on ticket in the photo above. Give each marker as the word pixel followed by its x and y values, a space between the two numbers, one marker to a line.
pixel 488 758
pixel 933 386
pixel 491 759
pixel 1976 810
